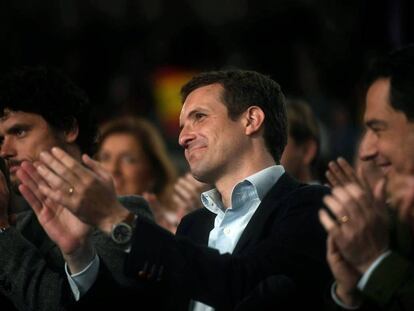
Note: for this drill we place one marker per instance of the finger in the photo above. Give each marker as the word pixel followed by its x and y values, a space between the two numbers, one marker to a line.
pixel 183 192
pixel 348 170
pixel 97 168
pixel 54 164
pixel 333 181
pixel 186 184
pixel 380 191
pixel 57 196
pixel 361 199
pixel 31 198
pixel 182 204
pixel 199 186
pixel 55 181
pixel 29 183
pixel 334 206
pixel 349 205
pixel 31 170
pixel 337 172
pixel 327 222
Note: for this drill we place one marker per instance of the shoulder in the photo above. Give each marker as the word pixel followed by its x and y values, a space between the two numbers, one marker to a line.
pixel 196 220
pixel 137 205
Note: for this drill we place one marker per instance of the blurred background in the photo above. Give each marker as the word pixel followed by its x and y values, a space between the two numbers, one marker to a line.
pixel 132 56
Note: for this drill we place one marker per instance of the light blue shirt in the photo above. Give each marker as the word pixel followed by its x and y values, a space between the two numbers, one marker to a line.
pixel 230 223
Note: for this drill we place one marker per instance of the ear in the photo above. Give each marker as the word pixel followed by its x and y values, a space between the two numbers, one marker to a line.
pixel 310 150
pixel 72 134
pixel 254 117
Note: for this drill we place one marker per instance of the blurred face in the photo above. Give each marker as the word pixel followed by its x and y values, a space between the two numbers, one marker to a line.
pixel 293 157
pixel 122 156
pixel 212 142
pixel 388 141
pixel 23 136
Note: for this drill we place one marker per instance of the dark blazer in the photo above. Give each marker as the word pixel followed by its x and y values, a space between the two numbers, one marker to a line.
pixel 32 275
pixel 284 237
pixel 391 285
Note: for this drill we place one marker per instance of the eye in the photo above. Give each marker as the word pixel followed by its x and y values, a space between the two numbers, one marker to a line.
pixel 129 159
pixel 103 157
pixel 20 133
pixel 199 116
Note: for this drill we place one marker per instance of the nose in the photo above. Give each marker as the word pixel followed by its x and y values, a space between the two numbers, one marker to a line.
pixel 368 146
pixel 112 166
pixel 186 136
pixel 7 148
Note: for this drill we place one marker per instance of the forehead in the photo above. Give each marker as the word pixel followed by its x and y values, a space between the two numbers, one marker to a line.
pixel 205 97
pixel 378 106
pixel 121 140
pixel 13 118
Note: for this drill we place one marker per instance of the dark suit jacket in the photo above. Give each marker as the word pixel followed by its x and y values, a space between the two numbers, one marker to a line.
pixel 391 285
pixel 32 275
pixel 284 237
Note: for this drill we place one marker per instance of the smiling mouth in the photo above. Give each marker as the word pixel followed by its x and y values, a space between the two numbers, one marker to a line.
pixel 385 168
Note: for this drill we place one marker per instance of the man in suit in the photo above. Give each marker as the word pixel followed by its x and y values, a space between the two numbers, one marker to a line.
pixel 370 254
pixel 258 224
pixel 41 108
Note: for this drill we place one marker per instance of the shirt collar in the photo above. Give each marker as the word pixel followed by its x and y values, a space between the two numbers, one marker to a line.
pixel 261 181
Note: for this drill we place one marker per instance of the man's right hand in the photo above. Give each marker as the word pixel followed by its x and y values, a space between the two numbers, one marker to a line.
pixel 87 192
pixel 65 229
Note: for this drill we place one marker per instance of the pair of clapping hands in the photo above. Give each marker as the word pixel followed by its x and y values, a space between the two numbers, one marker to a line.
pixel 68 199
pixel 357 225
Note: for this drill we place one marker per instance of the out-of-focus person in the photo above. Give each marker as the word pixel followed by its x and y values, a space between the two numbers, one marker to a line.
pixel 134 152
pixel 301 153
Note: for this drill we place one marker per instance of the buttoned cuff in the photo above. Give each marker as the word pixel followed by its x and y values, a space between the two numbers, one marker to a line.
pixel 82 281
pixel 339 302
pixel 364 280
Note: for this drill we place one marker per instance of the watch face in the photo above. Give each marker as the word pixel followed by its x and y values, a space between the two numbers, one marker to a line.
pixel 122 233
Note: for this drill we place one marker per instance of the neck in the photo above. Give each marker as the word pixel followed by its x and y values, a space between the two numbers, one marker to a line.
pixel 227 182
pixel 305 175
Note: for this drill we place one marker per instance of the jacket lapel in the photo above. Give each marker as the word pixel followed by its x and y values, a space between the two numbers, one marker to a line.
pixel 270 205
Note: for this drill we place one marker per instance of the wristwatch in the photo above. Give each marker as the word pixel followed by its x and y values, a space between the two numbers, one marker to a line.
pixel 121 233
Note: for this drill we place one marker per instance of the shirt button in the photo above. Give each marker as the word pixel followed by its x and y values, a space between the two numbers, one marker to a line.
pixel 227 231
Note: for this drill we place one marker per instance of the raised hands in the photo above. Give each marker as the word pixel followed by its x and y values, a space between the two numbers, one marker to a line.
pixel 65 229
pixel 187 191
pixel 400 190
pixel 340 173
pixel 87 192
pixel 358 232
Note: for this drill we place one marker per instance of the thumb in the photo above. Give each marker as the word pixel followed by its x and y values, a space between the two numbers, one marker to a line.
pixel 379 190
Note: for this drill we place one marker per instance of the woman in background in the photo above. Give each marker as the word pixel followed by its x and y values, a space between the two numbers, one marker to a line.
pixel 133 151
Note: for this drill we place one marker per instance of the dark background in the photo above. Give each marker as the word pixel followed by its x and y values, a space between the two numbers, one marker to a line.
pixel 113 48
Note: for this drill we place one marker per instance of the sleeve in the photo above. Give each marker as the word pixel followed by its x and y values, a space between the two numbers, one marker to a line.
pixel 28 277
pixel 391 284
pixel 294 246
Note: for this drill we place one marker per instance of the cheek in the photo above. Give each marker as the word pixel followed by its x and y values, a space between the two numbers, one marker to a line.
pixel 135 174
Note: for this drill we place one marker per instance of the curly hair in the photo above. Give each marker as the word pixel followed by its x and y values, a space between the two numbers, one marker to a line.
pixel 50 94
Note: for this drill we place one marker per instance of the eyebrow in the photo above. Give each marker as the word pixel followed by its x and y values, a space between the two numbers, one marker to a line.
pixel 375 122
pixel 192 113
pixel 16 127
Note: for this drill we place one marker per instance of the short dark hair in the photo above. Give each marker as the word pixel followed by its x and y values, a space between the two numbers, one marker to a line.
pixel 242 89
pixel 398 66
pixel 50 94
